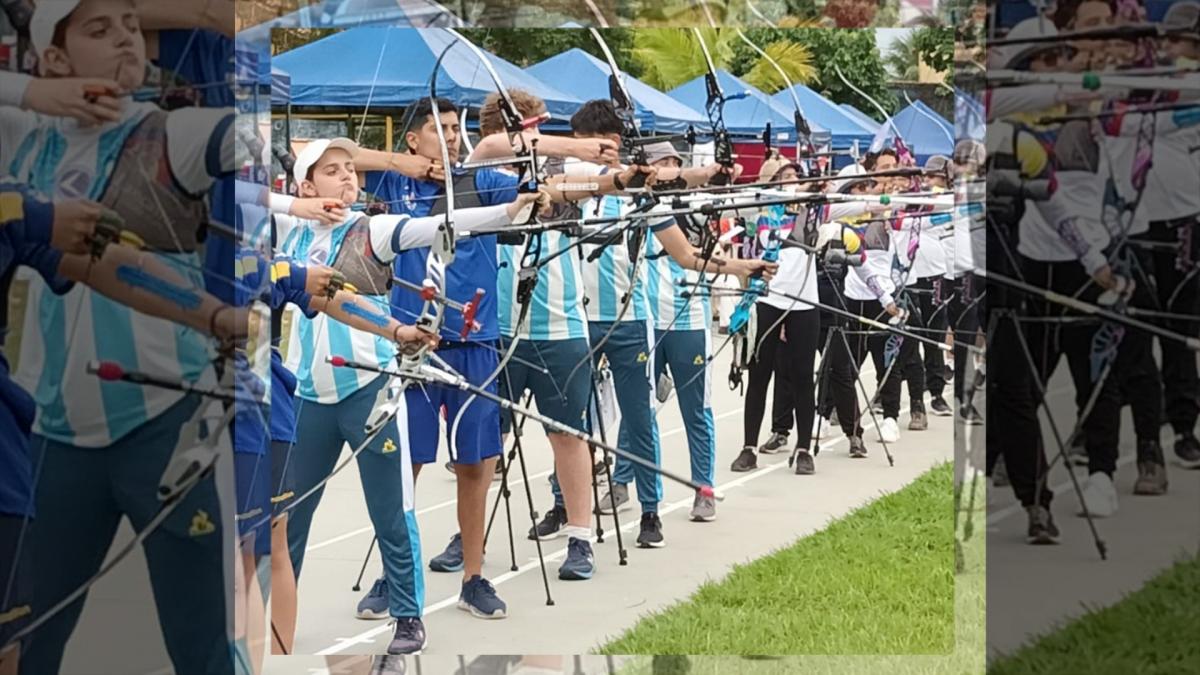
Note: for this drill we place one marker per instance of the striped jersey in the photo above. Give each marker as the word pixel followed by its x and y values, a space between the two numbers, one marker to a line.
pixel 62 159
pixel 676 302
pixel 556 307
pixel 313 340
pixel 609 278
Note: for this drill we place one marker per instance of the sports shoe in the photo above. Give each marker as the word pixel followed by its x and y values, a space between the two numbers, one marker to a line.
pixel 651 535
pixel 939 407
pixel 821 427
pixel 704 509
pixel 971 416
pixel 877 407
pixel 374 604
pixel 479 597
pixel 552 524
pixel 776 443
pixel 804 464
pixel 1152 472
pixel 616 492
pixel 1100 496
pixel 858 449
pixel 889 431
pixel 1187 451
pixel 389 665
pixel 580 564
pixel 1041 530
pixel 1077 453
pixel 746 461
pixel 450 560
pixel 918 421
pixel 409 637
pixel 1000 473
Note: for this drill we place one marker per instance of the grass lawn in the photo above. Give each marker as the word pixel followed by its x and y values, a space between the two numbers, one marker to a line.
pixel 1151 631
pixel 880 580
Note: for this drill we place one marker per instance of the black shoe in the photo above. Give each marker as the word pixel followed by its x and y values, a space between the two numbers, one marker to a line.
pixel 970 415
pixel 651 535
pixel 1078 454
pixel 858 449
pixel 804 463
pixel 939 407
pixel 551 525
pixel 1041 530
pixel 746 461
pixel 1152 471
pixel 1000 474
pixel 409 637
pixel 776 443
pixel 1187 451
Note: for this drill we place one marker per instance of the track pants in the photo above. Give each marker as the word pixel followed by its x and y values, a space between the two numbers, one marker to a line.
pixel 1177 278
pixel 924 371
pixel 685 353
pixel 962 314
pixel 801 330
pixel 385 469
pixel 628 352
pixel 845 365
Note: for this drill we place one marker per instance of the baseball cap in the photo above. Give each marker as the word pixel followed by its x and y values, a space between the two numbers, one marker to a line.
pixel 662 150
pixel 937 163
pixel 849 185
pixel 1015 57
pixel 312 153
pixel 47 14
pixel 1182 16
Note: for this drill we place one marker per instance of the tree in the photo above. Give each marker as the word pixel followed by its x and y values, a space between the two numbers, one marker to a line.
pixel 854 51
pixel 670 57
pixel 903 60
pixel 935 46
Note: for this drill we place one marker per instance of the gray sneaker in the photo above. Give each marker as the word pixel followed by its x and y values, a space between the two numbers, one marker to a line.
pixel 918 422
pixel 804 464
pixel 409 637
pixel 450 560
pixel 618 493
pixel 704 509
pixel 746 461
pixel 858 449
pixel 776 443
pixel 479 597
pixel 374 604
pixel 580 563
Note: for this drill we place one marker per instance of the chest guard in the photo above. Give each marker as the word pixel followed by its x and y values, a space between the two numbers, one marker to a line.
pixel 144 192
pixel 466 195
pixel 356 260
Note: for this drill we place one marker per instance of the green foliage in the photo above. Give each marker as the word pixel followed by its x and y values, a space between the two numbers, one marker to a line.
pixel 935 45
pixel 854 51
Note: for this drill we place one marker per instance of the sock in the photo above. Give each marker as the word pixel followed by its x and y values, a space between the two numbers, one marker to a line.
pixel 584 533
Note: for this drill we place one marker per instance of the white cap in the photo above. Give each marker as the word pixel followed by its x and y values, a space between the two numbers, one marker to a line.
pixel 1007 56
pixel 312 153
pixel 46 16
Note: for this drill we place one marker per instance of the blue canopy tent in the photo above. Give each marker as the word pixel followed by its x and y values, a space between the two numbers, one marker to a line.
pixel 749 113
pixel 389 67
pixel 866 120
pixel 925 132
pixel 355 13
pixel 588 76
pixel 970 119
pixel 843 128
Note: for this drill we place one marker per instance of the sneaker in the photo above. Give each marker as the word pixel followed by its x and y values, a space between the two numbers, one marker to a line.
pixel 746 461
pixel 479 597
pixel 1041 530
pixel 776 443
pixel 580 564
pixel 704 508
pixel 804 463
pixel 970 416
pixel 375 603
pixel 877 407
pixel 833 419
pixel 389 665
pixel 409 637
pixel 1000 473
pixel 1187 451
pixel 918 421
pixel 600 469
pixel 889 431
pixel 1100 496
pixel 1077 454
pixel 616 493
pixel 939 407
pixel 1152 471
pixel 821 427
pixel 551 526
pixel 450 560
pixel 651 535
pixel 858 449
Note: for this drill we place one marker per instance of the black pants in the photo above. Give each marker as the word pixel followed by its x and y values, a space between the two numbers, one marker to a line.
pixel 933 318
pixel 800 329
pixel 1178 286
pixel 962 316
pixel 844 365
pixel 1074 339
pixel 1136 372
pixel 830 297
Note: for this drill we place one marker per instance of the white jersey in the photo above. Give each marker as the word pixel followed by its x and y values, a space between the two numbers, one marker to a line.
pixel 608 279
pixel 797 273
pixel 1172 189
pixel 312 341
pixel 676 301
pixel 60 158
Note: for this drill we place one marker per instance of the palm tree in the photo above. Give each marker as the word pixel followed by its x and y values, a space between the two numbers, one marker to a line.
pixel 903 59
pixel 671 56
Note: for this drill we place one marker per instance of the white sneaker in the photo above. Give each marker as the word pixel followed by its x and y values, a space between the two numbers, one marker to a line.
pixel 1100 496
pixel 889 430
pixel 821 427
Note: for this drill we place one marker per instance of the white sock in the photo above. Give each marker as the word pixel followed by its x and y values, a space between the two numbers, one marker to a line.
pixel 584 533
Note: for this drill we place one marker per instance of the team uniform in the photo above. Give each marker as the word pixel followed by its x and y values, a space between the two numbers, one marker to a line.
pixel 109 434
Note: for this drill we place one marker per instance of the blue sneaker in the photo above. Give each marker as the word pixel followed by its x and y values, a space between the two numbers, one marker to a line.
pixel 580 564
pixel 450 560
pixel 479 598
pixel 409 637
pixel 375 604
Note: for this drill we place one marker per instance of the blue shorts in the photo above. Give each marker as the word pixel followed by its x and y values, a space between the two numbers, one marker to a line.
pixel 253 477
pixel 17 609
pixel 478 432
pixel 564 402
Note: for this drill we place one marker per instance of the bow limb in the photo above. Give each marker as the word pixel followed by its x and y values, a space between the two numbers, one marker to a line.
pixel 936 122
pixel 803 130
pixel 714 107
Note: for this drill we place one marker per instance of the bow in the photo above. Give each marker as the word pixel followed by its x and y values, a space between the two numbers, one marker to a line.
pixel 623 104
pixel 714 107
pixel 804 142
